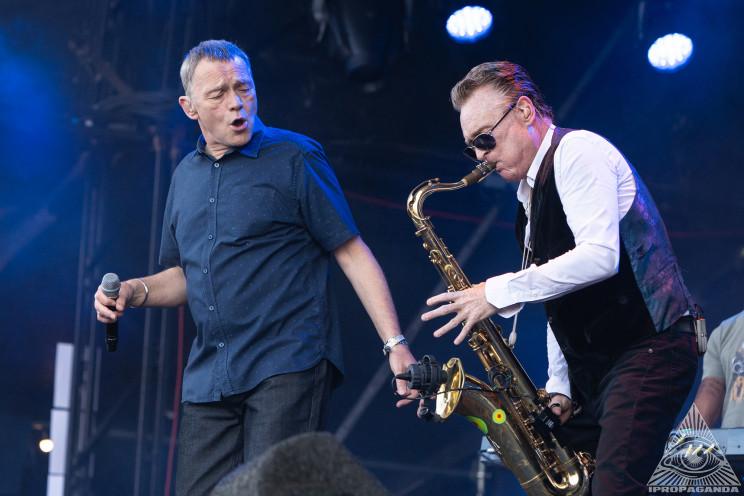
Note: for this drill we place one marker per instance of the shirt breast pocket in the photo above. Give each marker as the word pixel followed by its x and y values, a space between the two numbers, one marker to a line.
pixel 253 212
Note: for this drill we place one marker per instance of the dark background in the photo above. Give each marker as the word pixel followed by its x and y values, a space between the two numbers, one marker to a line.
pixel 89 97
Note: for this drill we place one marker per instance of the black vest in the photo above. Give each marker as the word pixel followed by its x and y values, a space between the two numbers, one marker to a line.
pixel 594 325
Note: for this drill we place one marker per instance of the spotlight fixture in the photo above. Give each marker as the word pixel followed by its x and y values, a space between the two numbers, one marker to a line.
pixel 670 53
pixel 469 24
pixel 46 445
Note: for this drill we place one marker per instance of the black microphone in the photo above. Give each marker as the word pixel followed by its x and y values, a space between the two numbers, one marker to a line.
pixel 110 286
pixel 425 376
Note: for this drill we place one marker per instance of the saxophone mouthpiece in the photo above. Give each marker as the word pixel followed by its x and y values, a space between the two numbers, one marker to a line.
pixel 481 170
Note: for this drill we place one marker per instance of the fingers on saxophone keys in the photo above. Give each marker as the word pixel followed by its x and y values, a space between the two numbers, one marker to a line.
pixel 461 337
pixel 439 312
pixel 447 327
pixel 467 325
pixel 465 332
pixel 442 298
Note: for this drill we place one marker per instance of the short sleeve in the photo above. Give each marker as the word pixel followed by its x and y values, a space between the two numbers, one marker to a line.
pixel 712 358
pixel 169 253
pixel 324 209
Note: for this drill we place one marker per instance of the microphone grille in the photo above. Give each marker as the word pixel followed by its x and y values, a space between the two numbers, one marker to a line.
pixel 110 284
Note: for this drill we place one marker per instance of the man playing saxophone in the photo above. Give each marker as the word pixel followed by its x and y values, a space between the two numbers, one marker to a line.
pixel 621 327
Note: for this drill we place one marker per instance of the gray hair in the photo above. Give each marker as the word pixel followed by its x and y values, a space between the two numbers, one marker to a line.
pixel 507 77
pixel 212 50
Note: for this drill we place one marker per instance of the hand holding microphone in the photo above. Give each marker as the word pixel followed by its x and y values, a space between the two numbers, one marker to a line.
pixel 110 301
pixel 110 285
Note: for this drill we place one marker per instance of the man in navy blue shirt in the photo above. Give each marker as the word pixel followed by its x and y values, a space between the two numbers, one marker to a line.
pixel 252 219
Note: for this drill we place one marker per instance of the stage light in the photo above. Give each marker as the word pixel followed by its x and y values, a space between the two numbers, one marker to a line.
pixel 469 24
pixel 46 445
pixel 670 53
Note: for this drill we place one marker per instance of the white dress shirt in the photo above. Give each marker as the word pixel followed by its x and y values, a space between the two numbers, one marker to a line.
pixel 596 186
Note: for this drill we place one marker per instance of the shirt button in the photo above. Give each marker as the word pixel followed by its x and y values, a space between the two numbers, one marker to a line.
pixel 216 164
pixel 211 200
pixel 211 308
pixel 221 344
pixel 210 236
pixel 205 270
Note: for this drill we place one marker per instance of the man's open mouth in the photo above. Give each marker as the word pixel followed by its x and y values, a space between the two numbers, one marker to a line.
pixel 238 123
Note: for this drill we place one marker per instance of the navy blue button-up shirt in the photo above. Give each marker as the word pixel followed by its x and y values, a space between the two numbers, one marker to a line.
pixel 253 232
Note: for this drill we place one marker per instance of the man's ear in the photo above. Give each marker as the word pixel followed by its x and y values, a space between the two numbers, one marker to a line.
pixel 526 110
pixel 188 109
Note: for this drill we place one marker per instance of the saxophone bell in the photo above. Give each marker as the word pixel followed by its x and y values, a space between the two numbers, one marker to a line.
pixel 441 383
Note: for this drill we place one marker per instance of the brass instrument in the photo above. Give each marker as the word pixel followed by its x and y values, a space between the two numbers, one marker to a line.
pixel 509 410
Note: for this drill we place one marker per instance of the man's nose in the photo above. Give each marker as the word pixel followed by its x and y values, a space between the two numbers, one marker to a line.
pixel 236 102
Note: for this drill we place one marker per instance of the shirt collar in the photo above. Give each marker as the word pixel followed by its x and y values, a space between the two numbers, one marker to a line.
pixel 250 149
pixel 526 184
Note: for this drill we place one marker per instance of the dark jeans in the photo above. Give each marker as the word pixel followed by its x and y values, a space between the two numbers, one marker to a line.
pixel 216 437
pixel 626 425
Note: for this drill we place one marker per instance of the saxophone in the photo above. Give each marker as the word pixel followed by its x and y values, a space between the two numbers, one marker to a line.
pixel 508 409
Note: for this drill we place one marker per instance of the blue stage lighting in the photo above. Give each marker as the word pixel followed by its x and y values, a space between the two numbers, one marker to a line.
pixel 670 53
pixel 469 24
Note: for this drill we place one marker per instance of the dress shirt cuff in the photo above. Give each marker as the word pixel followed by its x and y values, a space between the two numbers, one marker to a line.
pixel 497 294
pixel 557 367
pixel 558 384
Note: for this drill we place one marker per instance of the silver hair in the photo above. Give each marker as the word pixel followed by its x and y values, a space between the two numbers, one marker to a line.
pixel 509 78
pixel 212 50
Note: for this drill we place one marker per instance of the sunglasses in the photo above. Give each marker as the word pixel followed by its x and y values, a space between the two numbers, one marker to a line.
pixel 484 141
